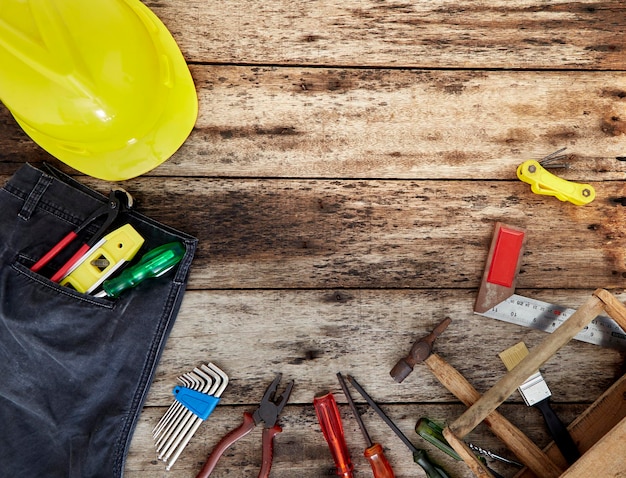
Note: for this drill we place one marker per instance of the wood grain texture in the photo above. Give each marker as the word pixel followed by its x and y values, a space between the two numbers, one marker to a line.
pixel 614 308
pixel 384 123
pixel 311 335
pixel 435 34
pixel 605 458
pixel 346 169
pixel 302 451
pixel 256 233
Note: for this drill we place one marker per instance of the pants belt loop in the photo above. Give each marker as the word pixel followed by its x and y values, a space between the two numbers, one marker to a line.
pixel 34 197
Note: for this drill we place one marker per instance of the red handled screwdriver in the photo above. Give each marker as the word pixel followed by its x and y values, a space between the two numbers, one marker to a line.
pixel 332 428
pixel 374 451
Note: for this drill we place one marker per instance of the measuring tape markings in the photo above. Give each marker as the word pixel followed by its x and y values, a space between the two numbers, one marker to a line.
pixel 547 317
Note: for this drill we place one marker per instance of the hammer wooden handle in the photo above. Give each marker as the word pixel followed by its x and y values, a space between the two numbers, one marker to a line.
pixel 517 442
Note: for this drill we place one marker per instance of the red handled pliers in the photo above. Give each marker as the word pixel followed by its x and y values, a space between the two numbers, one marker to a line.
pixel 268 412
pixel 111 209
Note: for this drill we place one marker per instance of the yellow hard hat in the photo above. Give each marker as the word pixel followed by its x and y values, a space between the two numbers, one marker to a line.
pixel 99 84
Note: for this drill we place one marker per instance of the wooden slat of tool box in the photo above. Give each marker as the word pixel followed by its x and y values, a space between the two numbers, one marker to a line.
pixel 606 458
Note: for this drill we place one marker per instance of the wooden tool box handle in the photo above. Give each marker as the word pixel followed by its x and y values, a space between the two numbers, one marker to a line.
pixel 495 396
pixel 613 307
pixel 523 447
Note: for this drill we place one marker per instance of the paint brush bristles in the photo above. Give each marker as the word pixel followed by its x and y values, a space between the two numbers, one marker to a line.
pixel 512 356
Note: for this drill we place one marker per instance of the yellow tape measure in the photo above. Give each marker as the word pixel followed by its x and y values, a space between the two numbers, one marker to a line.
pixel 544 182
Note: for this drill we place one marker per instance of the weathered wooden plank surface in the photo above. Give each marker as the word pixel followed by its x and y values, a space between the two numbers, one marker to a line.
pixel 259 233
pixel 347 166
pixel 411 124
pixel 437 34
pixel 256 233
pixel 309 336
pixel 302 438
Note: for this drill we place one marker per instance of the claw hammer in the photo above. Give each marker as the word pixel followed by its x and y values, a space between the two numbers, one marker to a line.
pixel 518 442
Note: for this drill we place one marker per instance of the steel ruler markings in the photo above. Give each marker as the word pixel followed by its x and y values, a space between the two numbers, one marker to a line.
pixel 540 315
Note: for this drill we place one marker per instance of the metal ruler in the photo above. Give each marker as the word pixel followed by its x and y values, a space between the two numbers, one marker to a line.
pixel 540 315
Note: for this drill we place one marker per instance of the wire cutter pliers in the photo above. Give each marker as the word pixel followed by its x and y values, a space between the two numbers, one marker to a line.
pixel 111 210
pixel 268 412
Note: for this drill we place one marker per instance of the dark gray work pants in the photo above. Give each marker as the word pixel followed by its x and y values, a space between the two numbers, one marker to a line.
pixel 74 369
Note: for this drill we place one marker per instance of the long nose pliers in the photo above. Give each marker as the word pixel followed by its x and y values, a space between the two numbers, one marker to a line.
pixel 267 412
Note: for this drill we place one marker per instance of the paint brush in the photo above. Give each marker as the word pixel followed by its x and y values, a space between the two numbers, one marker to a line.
pixel 536 393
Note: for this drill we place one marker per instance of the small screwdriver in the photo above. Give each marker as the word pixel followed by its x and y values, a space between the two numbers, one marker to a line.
pixel 374 451
pixel 419 456
pixel 154 263
pixel 332 428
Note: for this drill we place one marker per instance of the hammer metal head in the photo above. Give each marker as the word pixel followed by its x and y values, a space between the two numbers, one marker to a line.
pixel 401 370
pixel 420 351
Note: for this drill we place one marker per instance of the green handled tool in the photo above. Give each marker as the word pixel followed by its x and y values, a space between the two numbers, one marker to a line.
pixel 155 263
pixel 419 456
pixel 432 432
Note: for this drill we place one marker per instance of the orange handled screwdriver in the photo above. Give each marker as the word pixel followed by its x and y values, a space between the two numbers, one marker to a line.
pixel 332 428
pixel 374 451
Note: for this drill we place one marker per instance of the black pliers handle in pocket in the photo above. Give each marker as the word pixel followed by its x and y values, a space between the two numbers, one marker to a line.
pixel 119 200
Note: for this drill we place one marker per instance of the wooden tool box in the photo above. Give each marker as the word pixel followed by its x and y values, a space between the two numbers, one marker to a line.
pixel 599 432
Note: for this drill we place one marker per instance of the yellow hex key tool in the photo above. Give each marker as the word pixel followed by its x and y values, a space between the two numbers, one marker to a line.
pixel 544 182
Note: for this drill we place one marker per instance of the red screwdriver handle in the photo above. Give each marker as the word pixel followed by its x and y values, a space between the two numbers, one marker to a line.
pixel 378 461
pixel 332 428
pixel 268 449
pixel 246 427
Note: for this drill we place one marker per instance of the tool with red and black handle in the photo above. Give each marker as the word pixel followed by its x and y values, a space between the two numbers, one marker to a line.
pixel 420 457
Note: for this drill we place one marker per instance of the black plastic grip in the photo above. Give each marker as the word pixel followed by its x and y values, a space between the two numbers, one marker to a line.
pixel 559 432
